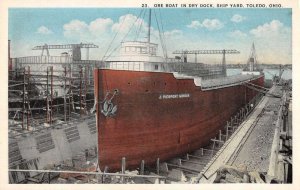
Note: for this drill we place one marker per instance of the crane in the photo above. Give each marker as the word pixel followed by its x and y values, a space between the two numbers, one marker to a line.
pixel 76 49
pixel 196 52
pixel 184 53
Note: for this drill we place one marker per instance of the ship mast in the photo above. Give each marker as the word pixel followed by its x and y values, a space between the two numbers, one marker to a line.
pixel 149 25
pixel 252 59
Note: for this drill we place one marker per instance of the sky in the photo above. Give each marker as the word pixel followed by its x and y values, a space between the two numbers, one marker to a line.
pixel 181 29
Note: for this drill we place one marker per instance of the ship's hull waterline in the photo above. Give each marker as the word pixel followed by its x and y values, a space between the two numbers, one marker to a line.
pixel 159 116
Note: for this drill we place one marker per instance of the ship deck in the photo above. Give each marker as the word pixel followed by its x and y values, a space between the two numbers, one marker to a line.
pixel 226 81
pixel 221 82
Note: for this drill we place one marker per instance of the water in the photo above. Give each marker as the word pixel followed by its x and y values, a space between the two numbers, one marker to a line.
pixel 269 73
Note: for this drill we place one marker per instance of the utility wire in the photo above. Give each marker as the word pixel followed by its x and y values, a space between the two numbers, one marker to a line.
pixel 115 36
pixel 122 39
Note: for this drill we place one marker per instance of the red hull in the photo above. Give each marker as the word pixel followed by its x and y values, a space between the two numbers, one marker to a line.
pixel 146 127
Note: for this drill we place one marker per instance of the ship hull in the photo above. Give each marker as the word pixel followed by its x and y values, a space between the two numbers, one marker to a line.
pixel 159 116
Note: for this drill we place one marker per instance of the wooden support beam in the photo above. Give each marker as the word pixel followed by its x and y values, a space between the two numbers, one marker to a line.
pixel 157 166
pixel 193 162
pixel 88 173
pixel 105 169
pixel 235 119
pixel 49 178
pixel 80 91
pixel 123 168
pixel 164 167
pixel 199 157
pixel 244 113
pixel 227 132
pixel 27 98
pixel 190 170
pixel 179 162
pixel 47 98
pixel 288 160
pixel 70 90
pixel 211 150
pixel 65 92
pixel 23 110
pixel 142 167
pixel 240 115
pixel 51 99
pixel 213 146
pixel 216 140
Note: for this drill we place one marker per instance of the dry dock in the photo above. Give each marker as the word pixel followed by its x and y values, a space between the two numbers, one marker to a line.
pixel 255 145
pixel 257 139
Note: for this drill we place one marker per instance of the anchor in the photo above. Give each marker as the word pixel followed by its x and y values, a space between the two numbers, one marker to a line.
pixel 108 108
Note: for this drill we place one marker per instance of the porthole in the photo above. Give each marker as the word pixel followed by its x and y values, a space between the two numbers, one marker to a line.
pixel 116 91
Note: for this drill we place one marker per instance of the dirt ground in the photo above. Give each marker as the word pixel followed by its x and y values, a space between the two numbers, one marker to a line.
pixel 255 153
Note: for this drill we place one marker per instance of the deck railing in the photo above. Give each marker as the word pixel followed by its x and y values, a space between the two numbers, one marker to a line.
pixel 53 60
